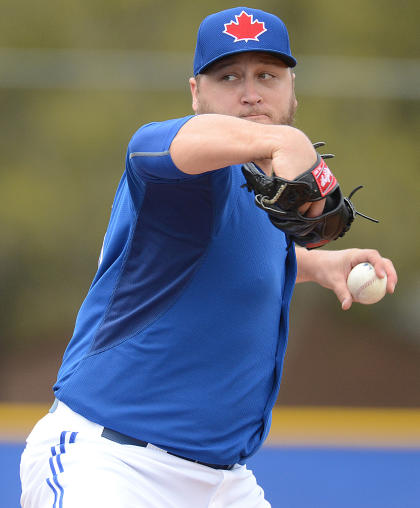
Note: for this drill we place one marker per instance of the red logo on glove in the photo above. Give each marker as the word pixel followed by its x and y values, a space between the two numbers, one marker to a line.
pixel 245 29
pixel 325 180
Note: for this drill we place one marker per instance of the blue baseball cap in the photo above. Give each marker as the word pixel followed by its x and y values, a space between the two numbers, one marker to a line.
pixel 238 30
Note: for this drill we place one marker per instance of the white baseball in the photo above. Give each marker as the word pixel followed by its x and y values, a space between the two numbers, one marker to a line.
pixel 364 285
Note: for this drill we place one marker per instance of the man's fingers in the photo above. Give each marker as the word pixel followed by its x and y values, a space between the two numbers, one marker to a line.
pixel 312 209
pixel 344 296
pixel 382 266
pixel 304 208
pixel 385 267
pixel 316 209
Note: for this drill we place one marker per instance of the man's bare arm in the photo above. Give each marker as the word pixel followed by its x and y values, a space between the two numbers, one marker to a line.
pixel 211 141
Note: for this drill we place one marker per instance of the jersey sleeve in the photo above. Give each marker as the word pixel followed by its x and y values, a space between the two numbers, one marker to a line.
pixel 148 156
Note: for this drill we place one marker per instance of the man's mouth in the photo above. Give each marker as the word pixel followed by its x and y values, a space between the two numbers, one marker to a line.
pixel 254 114
pixel 256 117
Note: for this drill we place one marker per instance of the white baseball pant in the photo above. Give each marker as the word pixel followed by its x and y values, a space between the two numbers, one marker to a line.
pixel 68 464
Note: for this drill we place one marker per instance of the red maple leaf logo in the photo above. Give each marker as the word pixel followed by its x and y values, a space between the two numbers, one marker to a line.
pixel 245 28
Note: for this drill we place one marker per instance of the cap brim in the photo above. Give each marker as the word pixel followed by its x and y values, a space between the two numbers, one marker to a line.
pixel 287 59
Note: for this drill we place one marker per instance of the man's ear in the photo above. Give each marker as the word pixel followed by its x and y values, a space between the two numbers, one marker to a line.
pixel 293 85
pixel 194 93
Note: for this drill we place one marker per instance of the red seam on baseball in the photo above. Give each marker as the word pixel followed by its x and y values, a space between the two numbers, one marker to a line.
pixel 364 286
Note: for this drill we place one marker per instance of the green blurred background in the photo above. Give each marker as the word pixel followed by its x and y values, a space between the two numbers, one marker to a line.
pixel 76 81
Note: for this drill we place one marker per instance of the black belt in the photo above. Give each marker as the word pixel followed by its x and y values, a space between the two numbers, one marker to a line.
pixel 117 437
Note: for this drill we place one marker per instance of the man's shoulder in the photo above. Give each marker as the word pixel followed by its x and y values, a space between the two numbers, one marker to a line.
pixel 162 129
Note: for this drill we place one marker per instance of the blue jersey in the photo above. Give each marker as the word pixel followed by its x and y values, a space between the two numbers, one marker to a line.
pixel 181 338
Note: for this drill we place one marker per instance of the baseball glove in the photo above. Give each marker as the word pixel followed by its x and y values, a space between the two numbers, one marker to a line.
pixel 281 199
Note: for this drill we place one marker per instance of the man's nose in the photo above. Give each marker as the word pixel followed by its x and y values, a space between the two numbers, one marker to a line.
pixel 250 94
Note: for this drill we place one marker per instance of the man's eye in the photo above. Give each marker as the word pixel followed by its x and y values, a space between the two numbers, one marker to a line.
pixel 228 77
pixel 266 75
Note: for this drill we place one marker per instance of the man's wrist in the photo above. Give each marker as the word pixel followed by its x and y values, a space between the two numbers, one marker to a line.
pixel 307 262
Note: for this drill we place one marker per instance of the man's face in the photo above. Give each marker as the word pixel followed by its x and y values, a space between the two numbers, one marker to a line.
pixel 255 86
